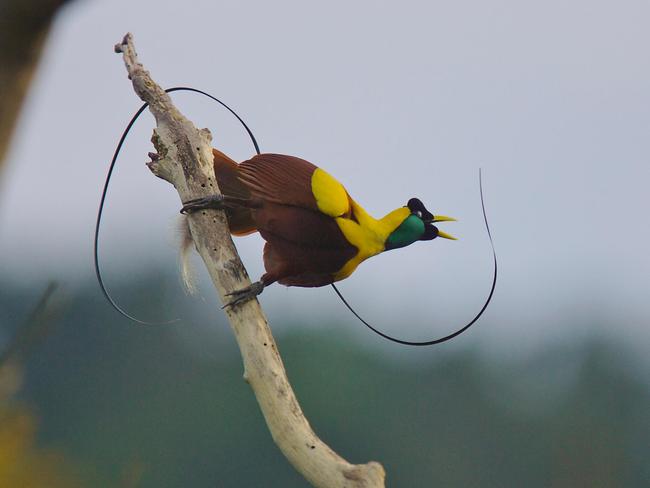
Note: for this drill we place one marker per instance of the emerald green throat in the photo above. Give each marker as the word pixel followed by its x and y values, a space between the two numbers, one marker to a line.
pixel 407 233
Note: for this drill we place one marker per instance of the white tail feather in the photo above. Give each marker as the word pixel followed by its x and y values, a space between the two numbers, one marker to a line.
pixel 188 277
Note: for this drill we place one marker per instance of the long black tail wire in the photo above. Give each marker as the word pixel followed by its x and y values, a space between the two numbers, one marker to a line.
pixel 100 212
pixel 110 299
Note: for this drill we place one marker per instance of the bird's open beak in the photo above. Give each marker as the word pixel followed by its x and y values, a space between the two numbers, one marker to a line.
pixel 443 218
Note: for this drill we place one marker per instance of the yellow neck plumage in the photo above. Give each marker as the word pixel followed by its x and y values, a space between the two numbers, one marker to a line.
pixel 360 229
pixel 367 234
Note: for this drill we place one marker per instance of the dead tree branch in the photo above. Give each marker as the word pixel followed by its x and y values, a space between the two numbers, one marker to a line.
pixel 186 162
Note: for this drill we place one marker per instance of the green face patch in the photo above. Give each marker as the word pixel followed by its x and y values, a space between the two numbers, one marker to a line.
pixel 407 233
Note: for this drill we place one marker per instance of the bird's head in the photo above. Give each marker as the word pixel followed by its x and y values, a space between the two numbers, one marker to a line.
pixel 417 225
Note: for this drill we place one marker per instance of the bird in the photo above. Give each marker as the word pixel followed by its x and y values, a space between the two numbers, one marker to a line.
pixel 316 234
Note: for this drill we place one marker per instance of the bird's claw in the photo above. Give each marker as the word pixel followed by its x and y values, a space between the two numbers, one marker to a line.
pixel 245 294
pixel 213 201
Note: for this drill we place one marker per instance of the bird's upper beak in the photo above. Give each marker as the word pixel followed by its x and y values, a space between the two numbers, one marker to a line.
pixel 443 218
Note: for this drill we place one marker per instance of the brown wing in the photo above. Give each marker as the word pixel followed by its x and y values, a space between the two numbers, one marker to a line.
pixel 280 179
pixel 303 247
pixel 301 226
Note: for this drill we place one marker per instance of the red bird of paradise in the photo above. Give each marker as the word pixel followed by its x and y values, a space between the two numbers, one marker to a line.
pixel 315 232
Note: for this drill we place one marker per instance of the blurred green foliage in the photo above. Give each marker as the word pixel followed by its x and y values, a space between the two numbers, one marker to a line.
pixel 137 406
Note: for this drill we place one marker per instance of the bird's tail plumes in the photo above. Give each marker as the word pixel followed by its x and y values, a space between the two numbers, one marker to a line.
pixel 240 218
pixel 188 277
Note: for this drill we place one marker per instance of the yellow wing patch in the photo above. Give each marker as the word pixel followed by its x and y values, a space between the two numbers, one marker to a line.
pixel 330 195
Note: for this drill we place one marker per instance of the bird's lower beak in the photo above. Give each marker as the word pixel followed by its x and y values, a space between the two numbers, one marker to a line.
pixel 444 235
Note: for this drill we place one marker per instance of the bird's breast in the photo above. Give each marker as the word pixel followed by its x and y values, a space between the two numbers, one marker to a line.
pixel 365 236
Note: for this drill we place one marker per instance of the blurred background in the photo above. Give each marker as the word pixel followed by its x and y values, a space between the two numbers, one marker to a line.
pixel 550 388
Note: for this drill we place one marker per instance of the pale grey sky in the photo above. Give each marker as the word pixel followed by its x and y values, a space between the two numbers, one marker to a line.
pixel 551 99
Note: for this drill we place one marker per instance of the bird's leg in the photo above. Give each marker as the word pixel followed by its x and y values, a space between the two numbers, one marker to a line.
pixel 245 294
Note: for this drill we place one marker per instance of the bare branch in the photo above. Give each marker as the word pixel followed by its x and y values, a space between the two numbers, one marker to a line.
pixel 186 162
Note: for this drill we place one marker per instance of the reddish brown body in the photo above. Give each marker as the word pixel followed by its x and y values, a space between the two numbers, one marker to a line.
pixel 304 247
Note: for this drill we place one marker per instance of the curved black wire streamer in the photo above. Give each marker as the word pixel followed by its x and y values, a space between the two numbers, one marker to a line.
pixel 257 150
pixel 98 272
pixel 459 331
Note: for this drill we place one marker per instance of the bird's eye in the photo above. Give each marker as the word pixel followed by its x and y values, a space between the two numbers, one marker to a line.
pixel 418 213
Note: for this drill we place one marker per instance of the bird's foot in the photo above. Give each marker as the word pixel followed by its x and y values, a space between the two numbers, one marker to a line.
pixel 213 201
pixel 245 294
